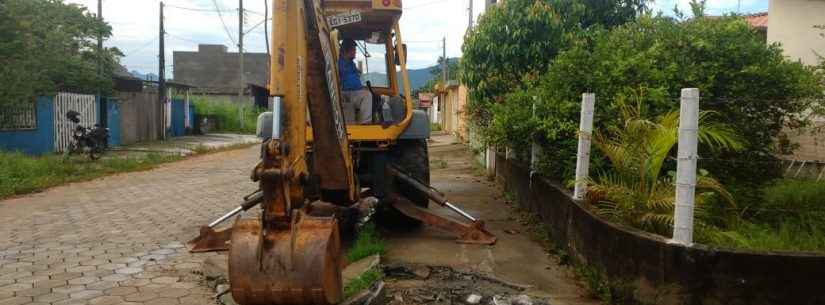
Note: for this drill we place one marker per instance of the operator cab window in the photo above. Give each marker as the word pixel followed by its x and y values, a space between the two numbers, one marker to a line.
pixel 371 60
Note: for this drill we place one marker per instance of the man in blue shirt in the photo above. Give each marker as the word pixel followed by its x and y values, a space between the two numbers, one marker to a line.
pixel 357 99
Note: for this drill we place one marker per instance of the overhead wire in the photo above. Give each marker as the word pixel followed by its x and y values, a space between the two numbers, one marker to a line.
pixel 220 16
pixel 204 10
pixel 143 46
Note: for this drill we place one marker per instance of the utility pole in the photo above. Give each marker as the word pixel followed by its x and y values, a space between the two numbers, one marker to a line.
pixel 240 55
pixel 100 40
pixel 162 70
pixel 102 115
pixel 470 21
pixel 266 28
pixel 444 65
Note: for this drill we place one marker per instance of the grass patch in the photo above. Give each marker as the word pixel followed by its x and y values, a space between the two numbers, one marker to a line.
pixel 785 236
pixel 435 127
pixel 363 282
pixel 369 242
pixel 789 217
pixel 24 174
pixel 231 117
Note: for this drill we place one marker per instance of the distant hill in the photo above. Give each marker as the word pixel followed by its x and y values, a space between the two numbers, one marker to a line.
pixel 150 76
pixel 418 77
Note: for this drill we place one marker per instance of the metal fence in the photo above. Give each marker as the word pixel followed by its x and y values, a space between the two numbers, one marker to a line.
pixel 86 105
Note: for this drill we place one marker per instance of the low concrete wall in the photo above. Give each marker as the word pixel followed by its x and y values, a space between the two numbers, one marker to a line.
pixel 662 273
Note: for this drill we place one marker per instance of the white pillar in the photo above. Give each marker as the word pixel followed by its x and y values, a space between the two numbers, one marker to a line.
pixel 686 167
pixel 583 155
pixel 491 161
pixel 535 149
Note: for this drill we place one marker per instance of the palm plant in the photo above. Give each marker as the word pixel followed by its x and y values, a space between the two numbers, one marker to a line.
pixel 634 190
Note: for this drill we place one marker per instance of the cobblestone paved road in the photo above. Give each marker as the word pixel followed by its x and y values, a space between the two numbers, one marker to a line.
pixel 118 240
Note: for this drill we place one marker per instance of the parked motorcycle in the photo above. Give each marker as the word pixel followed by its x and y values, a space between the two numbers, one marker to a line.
pixel 91 141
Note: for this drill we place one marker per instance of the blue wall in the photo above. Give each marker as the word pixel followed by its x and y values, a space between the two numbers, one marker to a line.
pixel 178 116
pixel 113 121
pixel 33 141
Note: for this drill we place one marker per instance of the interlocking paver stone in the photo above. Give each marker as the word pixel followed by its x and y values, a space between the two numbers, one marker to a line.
pixel 16 301
pixel 121 291
pixel 141 296
pixel 85 294
pixel 97 241
pixel 51 297
pixel 106 300
pixel 33 292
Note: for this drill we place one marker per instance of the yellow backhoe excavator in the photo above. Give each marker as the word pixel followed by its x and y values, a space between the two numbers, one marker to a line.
pixel 318 173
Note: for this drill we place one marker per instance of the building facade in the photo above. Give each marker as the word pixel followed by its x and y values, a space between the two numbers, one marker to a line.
pixel 791 24
pixel 215 71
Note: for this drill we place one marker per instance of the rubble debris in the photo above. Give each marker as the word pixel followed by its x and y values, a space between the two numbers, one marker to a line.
pixel 357 268
pixel 473 299
pixel 446 285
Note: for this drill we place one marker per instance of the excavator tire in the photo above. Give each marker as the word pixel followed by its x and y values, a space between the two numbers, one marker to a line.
pixel 412 157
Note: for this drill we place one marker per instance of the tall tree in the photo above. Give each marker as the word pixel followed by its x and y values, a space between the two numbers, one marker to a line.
pixel 48 45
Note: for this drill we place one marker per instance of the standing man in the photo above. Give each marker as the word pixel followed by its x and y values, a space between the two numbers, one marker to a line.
pixel 357 99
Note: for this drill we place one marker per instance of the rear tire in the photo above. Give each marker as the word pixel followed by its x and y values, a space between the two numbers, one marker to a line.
pixel 412 157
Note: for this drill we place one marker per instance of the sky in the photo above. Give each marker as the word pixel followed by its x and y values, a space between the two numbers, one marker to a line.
pixel 190 22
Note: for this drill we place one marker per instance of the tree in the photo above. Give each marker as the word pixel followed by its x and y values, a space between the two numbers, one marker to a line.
pixel 514 43
pixel 47 45
pixel 754 88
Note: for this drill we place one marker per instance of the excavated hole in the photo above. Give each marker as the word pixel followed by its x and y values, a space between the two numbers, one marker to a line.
pixel 415 284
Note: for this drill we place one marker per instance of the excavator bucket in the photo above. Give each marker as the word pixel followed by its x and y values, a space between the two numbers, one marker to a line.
pixel 295 264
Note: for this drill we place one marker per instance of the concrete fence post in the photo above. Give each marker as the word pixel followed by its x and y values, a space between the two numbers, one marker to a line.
pixel 583 155
pixel 491 161
pixel 686 167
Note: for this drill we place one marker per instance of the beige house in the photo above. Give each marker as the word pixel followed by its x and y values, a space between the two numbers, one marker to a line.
pixel 452 99
pixel 791 24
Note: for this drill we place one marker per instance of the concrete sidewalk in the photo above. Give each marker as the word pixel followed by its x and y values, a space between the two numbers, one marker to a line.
pixel 187 145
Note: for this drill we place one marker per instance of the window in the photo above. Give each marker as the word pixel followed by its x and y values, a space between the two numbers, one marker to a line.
pixel 374 67
pixel 18 116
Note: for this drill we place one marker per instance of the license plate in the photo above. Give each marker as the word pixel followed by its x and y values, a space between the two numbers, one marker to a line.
pixel 342 19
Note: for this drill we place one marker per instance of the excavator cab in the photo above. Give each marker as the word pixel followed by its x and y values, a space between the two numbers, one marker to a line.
pixel 317 171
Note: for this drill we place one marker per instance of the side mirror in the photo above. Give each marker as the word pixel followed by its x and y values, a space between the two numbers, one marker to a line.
pixel 397 62
pixel 264 127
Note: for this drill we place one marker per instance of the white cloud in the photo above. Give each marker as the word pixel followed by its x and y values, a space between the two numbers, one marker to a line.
pixel 714 7
pixel 423 25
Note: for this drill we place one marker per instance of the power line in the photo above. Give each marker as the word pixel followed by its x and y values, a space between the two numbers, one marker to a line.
pixel 256 25
pixel 225 28
pixel 205 10
pixel 147 44
pixel 181 38
pixel 424 4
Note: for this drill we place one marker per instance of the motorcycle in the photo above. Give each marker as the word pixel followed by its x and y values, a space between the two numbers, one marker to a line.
pixel 91 141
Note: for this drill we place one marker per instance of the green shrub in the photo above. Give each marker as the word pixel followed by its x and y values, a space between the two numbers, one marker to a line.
pixel 802 201
pixel 635 190
pixel 749 83
pixel 228 114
